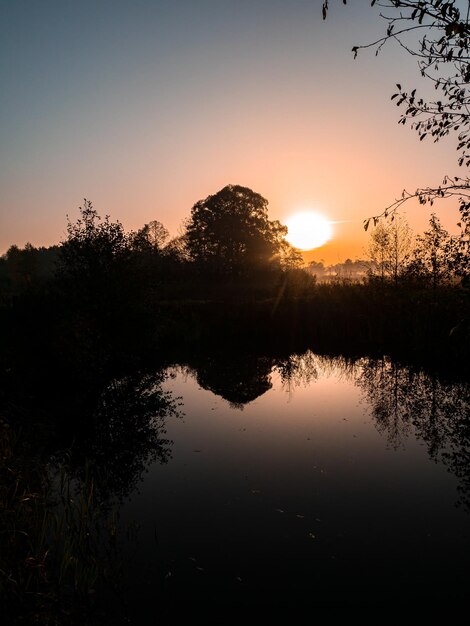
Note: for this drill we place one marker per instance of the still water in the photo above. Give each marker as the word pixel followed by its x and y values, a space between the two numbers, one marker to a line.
pixel 305 479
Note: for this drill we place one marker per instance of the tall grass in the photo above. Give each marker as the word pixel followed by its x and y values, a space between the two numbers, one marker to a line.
pixel 58 539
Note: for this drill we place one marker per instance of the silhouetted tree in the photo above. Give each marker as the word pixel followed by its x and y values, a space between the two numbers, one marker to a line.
pixel 459 249
pixel 290 258
pixel 389 247
pixel 317 268
pixel 229 233
pixel 104 291
pixel 378 245
pixel 430 257
pixel 93 246
pixel 28 267
pixel 151 237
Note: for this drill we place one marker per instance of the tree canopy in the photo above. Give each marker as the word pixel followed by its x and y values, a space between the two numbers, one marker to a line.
pixel 229 233
pixel 93 246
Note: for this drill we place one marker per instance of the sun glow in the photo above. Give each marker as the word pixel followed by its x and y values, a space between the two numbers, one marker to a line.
pixel 308 230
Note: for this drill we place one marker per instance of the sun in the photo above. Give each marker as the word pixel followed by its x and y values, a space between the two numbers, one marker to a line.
pixel 308 230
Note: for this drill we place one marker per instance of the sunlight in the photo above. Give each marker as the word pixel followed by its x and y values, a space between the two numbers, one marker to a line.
pixel 308 230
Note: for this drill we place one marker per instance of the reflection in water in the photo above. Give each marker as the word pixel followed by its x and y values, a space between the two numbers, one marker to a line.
pixel 387 387
pixel 59 504
pixel 298 496
pixel 297 370
pixel 402 399
pixel 239 379
pixel 299 484
pixel 127 434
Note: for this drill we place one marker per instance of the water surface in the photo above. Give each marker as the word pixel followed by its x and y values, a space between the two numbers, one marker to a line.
pixel 308 479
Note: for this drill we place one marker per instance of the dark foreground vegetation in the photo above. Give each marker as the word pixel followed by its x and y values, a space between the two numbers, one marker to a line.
pixel 88 328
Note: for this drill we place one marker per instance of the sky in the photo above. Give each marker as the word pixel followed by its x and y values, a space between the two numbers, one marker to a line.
pixel 145 107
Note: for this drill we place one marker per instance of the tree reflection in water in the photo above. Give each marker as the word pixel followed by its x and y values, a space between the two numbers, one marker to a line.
pixel 61 490
pixel 298 370
pixel 241 378
pixel 118 431
pixel 404 401
pixel 237 378
pixel 126 434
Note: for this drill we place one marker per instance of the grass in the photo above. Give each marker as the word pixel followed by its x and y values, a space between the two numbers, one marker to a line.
pixel 58 539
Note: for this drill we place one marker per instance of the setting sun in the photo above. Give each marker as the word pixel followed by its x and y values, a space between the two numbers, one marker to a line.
pixel 308 230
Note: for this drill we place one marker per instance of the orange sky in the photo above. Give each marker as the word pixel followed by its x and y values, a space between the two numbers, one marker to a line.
pixel 256 93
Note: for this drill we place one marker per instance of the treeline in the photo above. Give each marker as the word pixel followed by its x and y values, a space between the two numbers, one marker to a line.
pixel 432 258
pixel 227 240
pixel 231 276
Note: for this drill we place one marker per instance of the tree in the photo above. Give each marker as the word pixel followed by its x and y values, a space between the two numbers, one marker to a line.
pixel 442 50
pixel 459 248
pixel 29 267
pixel 93 246
pixel 389 247
pixel 229 233
pixel 379 242
pixel 430 257
pixel 151 237
pixel 290 258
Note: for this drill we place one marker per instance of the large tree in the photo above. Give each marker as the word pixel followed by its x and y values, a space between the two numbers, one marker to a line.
pixel 437 34
pixel 229 233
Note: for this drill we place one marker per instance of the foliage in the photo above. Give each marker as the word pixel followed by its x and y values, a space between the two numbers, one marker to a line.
pixel 23 269
pixel 389 247
pixel 55 537
pixel 229 233
pixel 93 246
pixel 430 257
pixel 459 253
pixel 290 258
pixel 150 238
pixel 62 477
